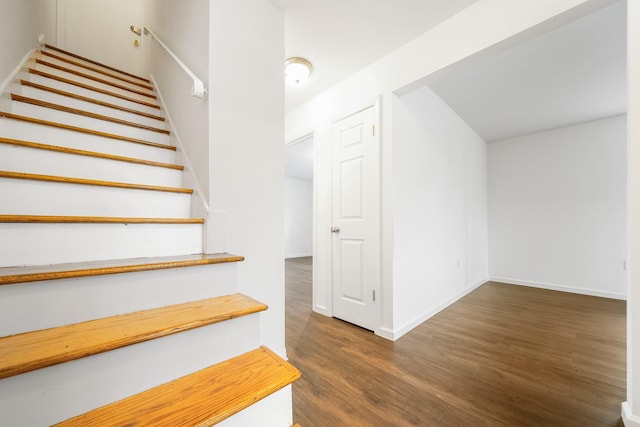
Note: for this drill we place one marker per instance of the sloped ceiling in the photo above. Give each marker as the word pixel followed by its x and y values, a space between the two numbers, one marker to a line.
pixel 570 75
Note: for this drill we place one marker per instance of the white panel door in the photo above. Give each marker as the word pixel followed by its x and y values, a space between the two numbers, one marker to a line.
pixel 99 30
pixel 356 262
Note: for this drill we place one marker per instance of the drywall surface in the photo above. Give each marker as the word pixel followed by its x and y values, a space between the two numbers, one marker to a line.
pixel 557 208
pixel 298 218
pixel 439 208
pixel 631 408
pixel 18 35
pixel 247 148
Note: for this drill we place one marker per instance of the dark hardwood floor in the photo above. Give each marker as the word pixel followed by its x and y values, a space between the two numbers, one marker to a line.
pixel 503 355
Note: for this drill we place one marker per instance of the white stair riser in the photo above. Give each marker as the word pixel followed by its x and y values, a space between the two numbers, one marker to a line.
pixel 40 305
pixel 104 86
pixel 43 113
pixel 100 67
pixel 54 98
pixel 45 162
pixel 99 75
pixel 44 134
pixel 89 93
pixel 31 197
pixel 273 411
pixel 51 395
pixel 41 244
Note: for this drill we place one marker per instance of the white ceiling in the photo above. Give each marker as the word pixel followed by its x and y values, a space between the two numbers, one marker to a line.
pixel 340 37
pixel 570 75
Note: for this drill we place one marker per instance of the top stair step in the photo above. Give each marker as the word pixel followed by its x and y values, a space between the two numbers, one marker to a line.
pixel 40 349
pixel 203 398
pixel 91 61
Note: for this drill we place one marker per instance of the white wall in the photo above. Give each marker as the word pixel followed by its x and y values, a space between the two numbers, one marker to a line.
pixel 184 27
pixel 21 22
pixel 247 149
pixel 631 408
pixel 298 218
pixel 557 208
pixel 475 33
pixel 439 208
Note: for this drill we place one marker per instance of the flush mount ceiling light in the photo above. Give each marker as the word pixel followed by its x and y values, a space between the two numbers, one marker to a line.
pixel 297 70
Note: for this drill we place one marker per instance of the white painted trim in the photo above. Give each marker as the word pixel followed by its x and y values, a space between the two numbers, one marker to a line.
pixel 5 84
pixel 198 90
pixel 630 420
pixel 561 288
pixel 321 309
pixel 395 334
pixel 298 255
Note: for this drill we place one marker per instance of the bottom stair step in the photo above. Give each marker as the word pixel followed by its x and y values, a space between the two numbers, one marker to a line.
pixel 203 398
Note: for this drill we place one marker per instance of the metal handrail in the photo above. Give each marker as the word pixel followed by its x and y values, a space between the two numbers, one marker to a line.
pixel 198 90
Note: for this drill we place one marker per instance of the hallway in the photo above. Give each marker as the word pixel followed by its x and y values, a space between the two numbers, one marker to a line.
pixel 502 356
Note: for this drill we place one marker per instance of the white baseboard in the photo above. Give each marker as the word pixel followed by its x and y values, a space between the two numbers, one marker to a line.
pixel 556 287
pixel 399 332
pixel 629 419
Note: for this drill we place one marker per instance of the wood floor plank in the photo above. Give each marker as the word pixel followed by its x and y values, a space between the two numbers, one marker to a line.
pixel 15 275
pixel 201 399
pixel 35 350
pixel 504 355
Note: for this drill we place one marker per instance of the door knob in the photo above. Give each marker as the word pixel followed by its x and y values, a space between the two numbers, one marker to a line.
pixel 136 30
pixel 335 229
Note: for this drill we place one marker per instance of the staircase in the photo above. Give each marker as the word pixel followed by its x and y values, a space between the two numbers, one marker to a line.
pixel 110 314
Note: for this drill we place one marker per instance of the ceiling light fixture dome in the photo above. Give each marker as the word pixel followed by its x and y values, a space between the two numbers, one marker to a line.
pixel 297 70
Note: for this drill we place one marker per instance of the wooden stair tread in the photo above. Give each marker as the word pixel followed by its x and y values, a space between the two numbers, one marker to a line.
pixel 38 146
pixel 91 88
pixel 51 105
pixel 83 181
pixel 94 69
pixel 85 130
pixel 91 61
pixel 15 275
pixel 39 349
pixel 94 78
pixel 203 398
pixel 90 100
pixel 64 219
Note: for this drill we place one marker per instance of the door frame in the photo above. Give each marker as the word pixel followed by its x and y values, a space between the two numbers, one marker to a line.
pixel 314 244
pixel 374 103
